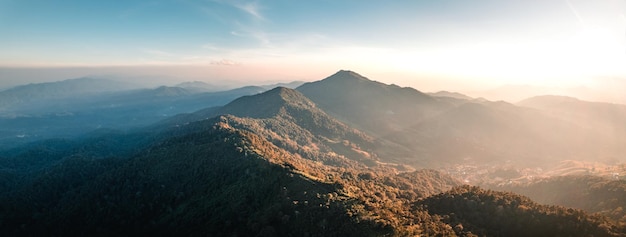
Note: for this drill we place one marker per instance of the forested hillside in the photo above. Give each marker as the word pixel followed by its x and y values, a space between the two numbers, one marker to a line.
pixel 276 164
pixel 590 193
pixel 475 211
pixel 211 178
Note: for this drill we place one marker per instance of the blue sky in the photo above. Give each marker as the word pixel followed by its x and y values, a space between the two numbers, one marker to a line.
pixel 425 44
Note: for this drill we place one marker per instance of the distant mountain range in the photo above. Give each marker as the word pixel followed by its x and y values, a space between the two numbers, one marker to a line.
pixel 606 90
pixel 72 107
pixel 449 94
pixel 200 86
pixel 425 130
pixel 343 156
pixel 407 126
pixel 58 90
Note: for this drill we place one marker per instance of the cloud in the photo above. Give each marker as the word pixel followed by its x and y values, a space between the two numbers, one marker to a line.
pixel 252 8
pixel 159 53
pixel 211 47
pixel 225 62
pixel 260 36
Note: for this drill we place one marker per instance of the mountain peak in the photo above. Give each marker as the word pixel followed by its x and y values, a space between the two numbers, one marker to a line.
pixel 285 94
pixel 168 91
pixel 267 104
pixel 346 75
pixel 279 90
pixel 372 105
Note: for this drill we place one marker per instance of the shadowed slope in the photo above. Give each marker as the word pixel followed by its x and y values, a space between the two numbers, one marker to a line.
pixel 370 105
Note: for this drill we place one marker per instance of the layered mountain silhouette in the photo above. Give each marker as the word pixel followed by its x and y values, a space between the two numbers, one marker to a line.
pixel 68 117
pixel 431 131
pixel 597 115
pixel 450 94
pixel 243 175
pixel 590 193
pixel 344 156
pixel 58 90
pixel 289 119
pixel 370 105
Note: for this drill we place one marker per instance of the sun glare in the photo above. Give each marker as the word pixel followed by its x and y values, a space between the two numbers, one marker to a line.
pixel 599 50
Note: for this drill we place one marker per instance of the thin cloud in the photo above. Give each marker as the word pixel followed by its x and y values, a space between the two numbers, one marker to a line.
pixel 252 8
pixel 211 46
pixel 156 52
pixel 261 36
pixel 225 62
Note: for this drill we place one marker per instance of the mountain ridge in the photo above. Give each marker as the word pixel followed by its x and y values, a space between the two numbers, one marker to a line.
pixel 267 104
pixel 277 163
pixel 370 105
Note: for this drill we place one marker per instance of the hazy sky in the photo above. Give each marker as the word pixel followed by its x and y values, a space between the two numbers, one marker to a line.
pixel 424 44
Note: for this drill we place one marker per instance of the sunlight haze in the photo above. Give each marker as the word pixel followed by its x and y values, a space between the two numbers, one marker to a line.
pixel 442 45
pixel 313 118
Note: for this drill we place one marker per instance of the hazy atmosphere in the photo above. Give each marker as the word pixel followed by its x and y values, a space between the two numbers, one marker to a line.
pixel 451 45
pixel 313 118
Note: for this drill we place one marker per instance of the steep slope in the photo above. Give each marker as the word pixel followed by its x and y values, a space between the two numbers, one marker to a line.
pixel 253 169
pixel 370 105
pixel 290 120
pixel 203 182
pixel 423 131
pixel 211 178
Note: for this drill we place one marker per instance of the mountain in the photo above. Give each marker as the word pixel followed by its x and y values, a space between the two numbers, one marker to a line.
pixel 369 105
pixel 200 86
pixel 218 177
pixel 167 91
pixel 58 90
pixel 515 93
pixel 197 86
pixel 290 85
pixel 490 213
pixel 502 132
pixel 227 182
pixel 491 131
pixel 277 163
pixel 424 131
pixel 211 178
pixel 449 94
pixel 606 120
pixel 586 192
pixel 289 119
pixel 593 114
pixel 223 176
pixel 269 104
pixel 73 116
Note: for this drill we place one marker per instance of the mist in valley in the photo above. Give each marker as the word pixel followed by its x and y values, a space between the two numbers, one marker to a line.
pixel 334 118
